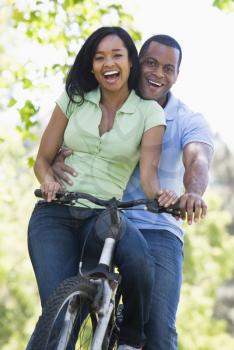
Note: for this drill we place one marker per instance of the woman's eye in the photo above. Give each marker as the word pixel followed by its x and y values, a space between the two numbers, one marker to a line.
pixel 118 55
pixel 98 58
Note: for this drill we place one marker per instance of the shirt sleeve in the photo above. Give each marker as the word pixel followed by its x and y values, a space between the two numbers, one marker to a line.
pixel 63 102
pixel 196 129
pixel 155 115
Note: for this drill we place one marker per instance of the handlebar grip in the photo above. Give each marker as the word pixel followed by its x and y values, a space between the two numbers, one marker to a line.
pixel 38 193
pixel 154 207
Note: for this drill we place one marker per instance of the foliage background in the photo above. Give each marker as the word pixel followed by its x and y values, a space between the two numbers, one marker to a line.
pixel 61 27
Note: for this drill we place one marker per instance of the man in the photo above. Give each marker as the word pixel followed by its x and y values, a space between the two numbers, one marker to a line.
pixel 186 155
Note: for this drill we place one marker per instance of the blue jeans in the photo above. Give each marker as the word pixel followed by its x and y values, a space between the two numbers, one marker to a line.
pixel 167 252
pixel 55 236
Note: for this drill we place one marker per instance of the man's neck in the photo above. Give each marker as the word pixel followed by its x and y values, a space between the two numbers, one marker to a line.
pixel 163 101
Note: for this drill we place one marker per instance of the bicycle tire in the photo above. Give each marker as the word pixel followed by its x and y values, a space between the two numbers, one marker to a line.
pixel 46 336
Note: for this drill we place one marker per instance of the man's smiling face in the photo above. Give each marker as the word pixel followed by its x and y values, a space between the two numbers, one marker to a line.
pixel 159 71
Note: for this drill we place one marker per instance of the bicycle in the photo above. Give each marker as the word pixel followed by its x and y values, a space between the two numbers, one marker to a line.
pixel 88 304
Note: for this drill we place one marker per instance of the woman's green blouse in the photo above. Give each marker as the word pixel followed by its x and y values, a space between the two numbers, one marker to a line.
pixel 105 163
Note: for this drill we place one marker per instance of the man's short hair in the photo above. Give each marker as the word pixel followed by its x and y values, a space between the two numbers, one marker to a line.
pixel 164 40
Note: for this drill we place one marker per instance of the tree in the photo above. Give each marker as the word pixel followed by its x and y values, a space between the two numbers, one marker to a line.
pixel 208 262
pixel 59 27
pixel 227 5
pixel 222 174
pixel 18 298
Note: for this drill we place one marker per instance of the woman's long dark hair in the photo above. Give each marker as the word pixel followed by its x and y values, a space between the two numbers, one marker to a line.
pixel 80 79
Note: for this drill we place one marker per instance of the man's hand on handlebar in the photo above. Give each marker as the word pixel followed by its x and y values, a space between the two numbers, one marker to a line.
pixel 192 207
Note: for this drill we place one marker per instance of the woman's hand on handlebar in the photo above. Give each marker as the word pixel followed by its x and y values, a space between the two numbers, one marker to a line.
pixel 166 198
pixel 49 189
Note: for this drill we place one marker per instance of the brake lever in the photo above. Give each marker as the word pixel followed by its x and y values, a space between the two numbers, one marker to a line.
pixel 67 198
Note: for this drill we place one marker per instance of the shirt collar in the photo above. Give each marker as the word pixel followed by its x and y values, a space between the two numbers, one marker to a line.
pixel 93 96
pixel 130 104
pixel 128 107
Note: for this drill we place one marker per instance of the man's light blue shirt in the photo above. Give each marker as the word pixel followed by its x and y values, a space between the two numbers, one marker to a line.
pixel 183 127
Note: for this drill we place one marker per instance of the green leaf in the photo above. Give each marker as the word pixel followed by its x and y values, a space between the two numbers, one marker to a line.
pixel 27 111
pixel 12 102
pixel 226 5
pixel 27 83
pixel 31 162
pixel 19 128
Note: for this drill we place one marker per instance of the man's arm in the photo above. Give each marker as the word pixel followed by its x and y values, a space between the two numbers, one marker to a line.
pixel 197 158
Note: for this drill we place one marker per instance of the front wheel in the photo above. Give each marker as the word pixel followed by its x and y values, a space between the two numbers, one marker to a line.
pixel 68 320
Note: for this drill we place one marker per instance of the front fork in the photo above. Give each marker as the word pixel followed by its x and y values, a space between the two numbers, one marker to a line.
pixel 104 312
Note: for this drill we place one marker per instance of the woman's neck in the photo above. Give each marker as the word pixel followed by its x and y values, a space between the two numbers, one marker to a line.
pixel 114 100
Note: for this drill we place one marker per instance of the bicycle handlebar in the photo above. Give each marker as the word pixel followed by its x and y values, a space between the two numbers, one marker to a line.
pixel 65 197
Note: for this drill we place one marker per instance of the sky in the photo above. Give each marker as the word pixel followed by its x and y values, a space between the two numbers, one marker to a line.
pixel 205 34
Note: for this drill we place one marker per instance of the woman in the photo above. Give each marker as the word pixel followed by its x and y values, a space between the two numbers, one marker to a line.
pixel 109 129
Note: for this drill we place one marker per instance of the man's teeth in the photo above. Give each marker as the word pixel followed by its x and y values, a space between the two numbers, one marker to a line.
pixel 154 83
pixel 111 72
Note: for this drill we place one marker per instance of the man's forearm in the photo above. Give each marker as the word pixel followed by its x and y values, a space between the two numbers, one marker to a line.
pixel 196 177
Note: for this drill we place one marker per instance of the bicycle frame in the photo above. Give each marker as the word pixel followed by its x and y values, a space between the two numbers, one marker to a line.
pixel 109 286
pixel 104 313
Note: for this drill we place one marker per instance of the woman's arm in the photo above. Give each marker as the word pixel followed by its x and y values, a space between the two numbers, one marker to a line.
pixel 149 160
pixel 51 141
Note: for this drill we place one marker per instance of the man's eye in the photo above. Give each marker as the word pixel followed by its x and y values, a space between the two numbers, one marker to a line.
pixel 150 63
pixel 118 55
pixel 169 69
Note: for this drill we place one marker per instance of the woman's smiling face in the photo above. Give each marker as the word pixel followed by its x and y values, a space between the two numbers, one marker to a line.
pixel 111 64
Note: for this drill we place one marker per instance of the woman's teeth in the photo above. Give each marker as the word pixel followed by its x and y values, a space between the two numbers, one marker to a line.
pixel 114 72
